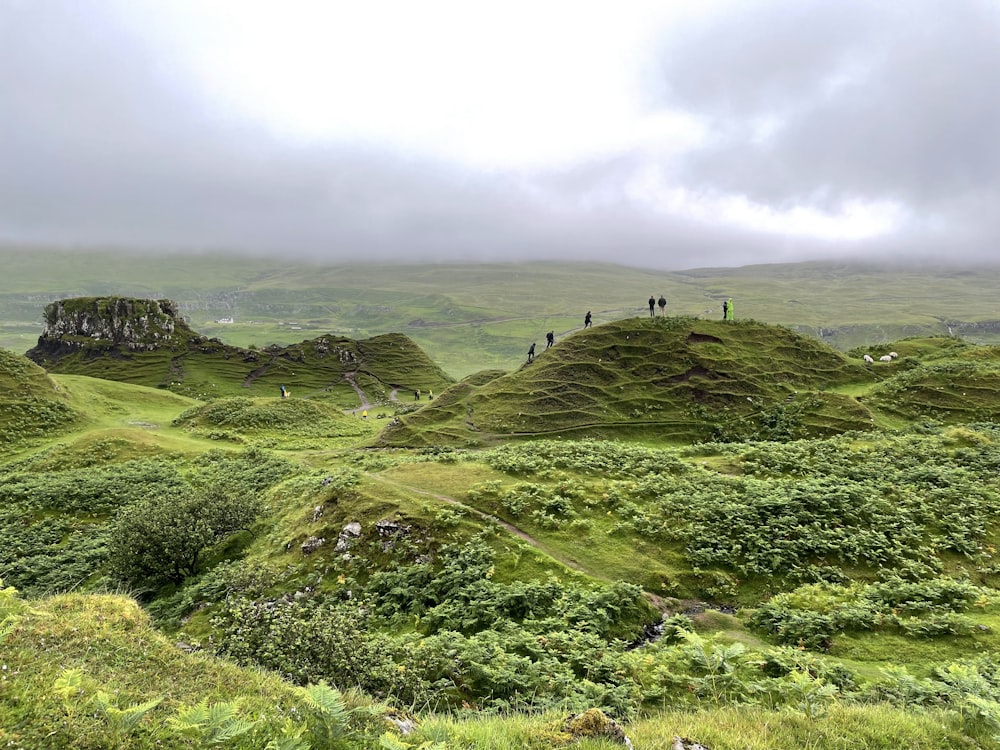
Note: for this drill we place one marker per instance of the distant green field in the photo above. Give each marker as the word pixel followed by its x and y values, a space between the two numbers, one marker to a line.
pixel 471 317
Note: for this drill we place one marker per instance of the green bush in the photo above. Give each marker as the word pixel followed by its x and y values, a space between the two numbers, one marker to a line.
pixel 163 539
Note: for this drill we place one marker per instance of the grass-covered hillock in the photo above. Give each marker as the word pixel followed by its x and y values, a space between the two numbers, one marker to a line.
pixel 143 343
pixel 667 378
pixel 288 421
pixel 951 392
pixel 335 367
pixel 91 672
pixel 31 405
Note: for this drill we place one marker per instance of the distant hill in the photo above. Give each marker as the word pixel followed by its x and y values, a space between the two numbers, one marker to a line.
pixel 146 342
pixel 674 378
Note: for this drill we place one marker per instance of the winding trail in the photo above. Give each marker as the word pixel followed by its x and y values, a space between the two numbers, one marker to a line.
pixel 665 607
pixel 351 378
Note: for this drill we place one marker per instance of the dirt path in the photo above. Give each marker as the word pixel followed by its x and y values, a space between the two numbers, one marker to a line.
pixel 262 370
pixel 657 601
pixel 519 533
pixel 350 377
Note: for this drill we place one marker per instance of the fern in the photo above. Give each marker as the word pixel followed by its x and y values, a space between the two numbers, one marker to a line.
pixel 290 739
pixel 212 725
pixel 124 720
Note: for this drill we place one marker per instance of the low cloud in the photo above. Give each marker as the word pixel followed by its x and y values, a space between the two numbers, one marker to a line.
pixel 812 114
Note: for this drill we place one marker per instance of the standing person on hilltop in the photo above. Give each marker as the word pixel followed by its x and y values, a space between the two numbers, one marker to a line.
pixel 586 320
pixel 550 339
pixel 531 352
pixel 729 309
pixel 663 305
pixel 652 305
pixel 725 309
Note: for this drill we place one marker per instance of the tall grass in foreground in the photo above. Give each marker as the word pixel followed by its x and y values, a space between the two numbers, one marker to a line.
pixel 873 727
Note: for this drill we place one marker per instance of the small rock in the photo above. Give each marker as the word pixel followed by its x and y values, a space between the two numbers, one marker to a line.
pixel 312 544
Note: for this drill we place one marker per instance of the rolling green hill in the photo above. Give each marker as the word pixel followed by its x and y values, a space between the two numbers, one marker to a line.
pixel 678 379
pixel 114 338
pixel 730 532
pixel 31 405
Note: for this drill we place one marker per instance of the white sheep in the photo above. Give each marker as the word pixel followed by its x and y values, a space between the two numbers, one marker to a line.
pixel 868 358
pixel 893 355
pixel 885 358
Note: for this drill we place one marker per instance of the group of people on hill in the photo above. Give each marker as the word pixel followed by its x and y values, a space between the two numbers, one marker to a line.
pixel 653 303
pixel 588 319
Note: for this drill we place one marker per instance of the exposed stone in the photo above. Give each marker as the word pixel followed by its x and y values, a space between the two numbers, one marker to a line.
pixel 389 528
pixel 135 324
pixel 595 723
pixel 683 743
pixel 312 544
pixel 404 724
pixel 350 532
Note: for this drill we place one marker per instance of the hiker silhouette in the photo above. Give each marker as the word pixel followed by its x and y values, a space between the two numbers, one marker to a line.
pixel 531 352
pixel 663 305
pixel 586 320
pixel 550 339
pixel 652 305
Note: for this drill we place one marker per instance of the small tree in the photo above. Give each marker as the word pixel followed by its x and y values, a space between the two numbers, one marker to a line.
pixel 163 539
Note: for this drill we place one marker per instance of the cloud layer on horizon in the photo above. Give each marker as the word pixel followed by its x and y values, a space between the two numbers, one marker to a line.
pixel 769 131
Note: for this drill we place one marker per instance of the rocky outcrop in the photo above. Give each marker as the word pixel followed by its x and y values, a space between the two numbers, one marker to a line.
pixel 134 324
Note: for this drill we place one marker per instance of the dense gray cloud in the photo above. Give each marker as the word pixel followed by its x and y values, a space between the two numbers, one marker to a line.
pixel 818 103
pixel 106 136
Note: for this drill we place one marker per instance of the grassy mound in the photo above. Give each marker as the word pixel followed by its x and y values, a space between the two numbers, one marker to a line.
pixel 668 378
pixel 288 416
pixel 91 672
pixel 160 351
pixel 30 403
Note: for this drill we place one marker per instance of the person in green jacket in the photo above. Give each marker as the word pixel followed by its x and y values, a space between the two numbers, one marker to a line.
pixel 729 309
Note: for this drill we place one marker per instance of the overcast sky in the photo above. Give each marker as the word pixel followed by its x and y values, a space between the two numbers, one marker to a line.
pixel 654 133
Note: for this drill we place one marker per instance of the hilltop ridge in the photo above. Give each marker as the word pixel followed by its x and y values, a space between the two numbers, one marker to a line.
pixel 146 342
pixel 676 378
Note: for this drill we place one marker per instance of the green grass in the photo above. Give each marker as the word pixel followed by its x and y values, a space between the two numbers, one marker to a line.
pixel 693 524
pixel 192 365
pixel 109 641
pixel 678 379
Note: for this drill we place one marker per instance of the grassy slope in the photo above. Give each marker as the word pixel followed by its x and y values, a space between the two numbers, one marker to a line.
pixel 194 366
pixel 673 378
pixel 110 641
pixel 31 404
pixel 115 648
pixel 472 317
